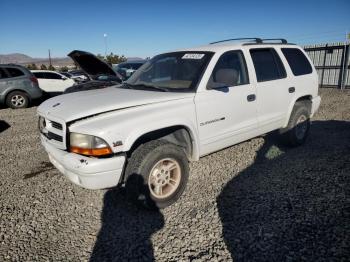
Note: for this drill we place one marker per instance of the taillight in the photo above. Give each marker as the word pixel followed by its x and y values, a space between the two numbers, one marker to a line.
pixel 34 80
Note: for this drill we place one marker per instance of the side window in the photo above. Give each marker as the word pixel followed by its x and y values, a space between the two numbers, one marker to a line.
pixel 297 61
pixel 52 76
pixel 3 74
pixel 14 72
pixel 268 65
pixel 39 75
pixel 230 70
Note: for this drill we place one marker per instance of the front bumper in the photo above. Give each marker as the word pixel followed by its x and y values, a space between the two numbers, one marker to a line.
pixel 87 172
pixel 316 101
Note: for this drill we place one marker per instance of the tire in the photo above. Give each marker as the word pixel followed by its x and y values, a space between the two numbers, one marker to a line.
pixel 297 130
pixel 17 99
pixel 151 165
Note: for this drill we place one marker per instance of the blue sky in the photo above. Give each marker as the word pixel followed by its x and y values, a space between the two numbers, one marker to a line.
pixel 145 28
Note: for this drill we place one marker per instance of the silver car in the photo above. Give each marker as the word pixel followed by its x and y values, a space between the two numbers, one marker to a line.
pixel 18 86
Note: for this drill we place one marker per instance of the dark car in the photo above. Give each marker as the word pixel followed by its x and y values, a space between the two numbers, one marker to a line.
pixel 100 74
pixel 126 69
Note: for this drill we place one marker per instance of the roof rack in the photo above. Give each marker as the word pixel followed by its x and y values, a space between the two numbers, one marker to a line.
pixel 283 41
pixel 257 40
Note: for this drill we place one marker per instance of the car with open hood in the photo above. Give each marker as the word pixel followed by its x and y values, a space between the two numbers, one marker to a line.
pixel 101 75
pixel 176 108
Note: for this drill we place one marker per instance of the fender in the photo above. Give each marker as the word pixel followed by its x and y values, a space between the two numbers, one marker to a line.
pixel 121 129
pixel 291 106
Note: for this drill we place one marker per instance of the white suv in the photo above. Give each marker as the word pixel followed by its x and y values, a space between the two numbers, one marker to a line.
pixel 176 108
pixel 52 82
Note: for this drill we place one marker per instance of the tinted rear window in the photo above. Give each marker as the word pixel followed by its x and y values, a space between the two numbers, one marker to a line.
pixel 52 76
pixel 39 75
pixel 268 65
pixel 3 74
pixel 297 61
pixel 14 72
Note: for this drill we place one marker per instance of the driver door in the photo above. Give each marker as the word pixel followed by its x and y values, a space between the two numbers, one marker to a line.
pixel 227 109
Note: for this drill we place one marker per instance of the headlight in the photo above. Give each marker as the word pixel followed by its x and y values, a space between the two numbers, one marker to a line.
pixel 88 145
pixel 41 123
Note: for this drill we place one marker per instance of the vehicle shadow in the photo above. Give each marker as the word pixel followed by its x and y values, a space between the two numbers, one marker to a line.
pixel 292 204
pixel 126 230
pixel 3 126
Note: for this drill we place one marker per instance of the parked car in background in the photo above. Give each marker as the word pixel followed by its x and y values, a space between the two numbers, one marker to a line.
pixel 126 69
pixel 52 82
pixel 18 86
pixel 78 75
pixel 99 73
pixel 178 107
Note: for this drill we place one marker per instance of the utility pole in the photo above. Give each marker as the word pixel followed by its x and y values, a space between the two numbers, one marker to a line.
pixel 345 62
pixel 50 58
pixel 105 41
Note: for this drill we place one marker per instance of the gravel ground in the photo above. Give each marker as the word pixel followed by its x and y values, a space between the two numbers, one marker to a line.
pixel 256 201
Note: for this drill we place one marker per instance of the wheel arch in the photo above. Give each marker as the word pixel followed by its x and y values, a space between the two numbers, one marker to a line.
pixel 178 134
pixel 14 90
pixel 305 98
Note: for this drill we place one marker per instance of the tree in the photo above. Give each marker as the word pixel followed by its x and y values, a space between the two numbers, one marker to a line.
pixel 64 69
pixel 112 58
pixel 34 67
pixel 43 67
pixel 115 59
pixel 52 68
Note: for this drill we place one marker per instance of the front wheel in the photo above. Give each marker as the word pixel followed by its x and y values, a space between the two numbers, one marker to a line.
pixel 156 174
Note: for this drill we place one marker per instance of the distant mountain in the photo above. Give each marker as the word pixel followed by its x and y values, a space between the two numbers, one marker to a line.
pixel 22 59
pixel 130 59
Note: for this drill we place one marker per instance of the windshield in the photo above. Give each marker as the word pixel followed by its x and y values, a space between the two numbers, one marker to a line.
pixel 178 71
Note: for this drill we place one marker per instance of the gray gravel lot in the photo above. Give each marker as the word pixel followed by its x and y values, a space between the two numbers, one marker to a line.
pixel 256 201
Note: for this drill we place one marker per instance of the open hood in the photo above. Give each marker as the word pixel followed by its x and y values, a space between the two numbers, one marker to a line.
pixel 92 65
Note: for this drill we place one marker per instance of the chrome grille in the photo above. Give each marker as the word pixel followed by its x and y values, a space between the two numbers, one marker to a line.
pixel 56 125
pixel 54 136
pixel 55 131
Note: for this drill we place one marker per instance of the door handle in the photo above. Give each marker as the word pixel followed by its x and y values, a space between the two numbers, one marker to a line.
pixel 251 98
pixel 291 89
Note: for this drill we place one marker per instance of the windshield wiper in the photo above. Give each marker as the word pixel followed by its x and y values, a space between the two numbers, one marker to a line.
pixel 145 86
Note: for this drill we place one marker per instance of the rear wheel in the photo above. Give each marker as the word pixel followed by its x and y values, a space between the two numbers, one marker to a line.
pixel 298 128
pixel 17 99
pixel 156 174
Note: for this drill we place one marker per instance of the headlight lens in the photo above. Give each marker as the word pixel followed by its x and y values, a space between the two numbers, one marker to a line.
pixel 88 145
pixel 41 123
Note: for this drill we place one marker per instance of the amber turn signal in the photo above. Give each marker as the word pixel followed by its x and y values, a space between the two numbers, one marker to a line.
pixel 91 151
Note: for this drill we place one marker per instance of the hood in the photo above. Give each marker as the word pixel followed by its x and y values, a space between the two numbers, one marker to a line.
pixel 79 105
pixel 92 65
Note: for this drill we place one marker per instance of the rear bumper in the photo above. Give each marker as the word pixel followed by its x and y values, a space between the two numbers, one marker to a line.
pixel 87 172
pixel 316 101
pixel 34 93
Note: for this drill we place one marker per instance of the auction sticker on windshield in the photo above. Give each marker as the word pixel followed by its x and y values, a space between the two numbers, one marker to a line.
pixel 193 56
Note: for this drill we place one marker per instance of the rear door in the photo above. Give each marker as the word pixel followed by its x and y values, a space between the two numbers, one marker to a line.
pixel 17 78
pixel 273 94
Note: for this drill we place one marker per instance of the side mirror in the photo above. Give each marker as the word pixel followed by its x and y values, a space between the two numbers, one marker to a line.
pixel 214 85
pixel 224 78
pixel 64 78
